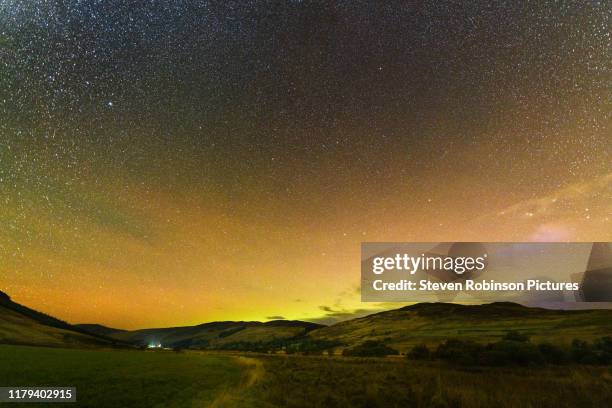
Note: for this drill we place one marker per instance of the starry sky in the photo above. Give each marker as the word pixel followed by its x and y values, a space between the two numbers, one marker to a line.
pixel 175 162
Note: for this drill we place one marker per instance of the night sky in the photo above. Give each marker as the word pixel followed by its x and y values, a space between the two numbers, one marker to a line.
pixel 173 162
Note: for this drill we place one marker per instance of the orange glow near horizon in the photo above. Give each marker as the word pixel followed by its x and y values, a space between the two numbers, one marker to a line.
pixel 198 265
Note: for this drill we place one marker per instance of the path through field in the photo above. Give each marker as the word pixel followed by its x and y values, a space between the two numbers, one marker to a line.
pixel 232 397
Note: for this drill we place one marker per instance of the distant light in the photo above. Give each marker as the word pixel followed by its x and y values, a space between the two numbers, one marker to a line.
pixel 110 104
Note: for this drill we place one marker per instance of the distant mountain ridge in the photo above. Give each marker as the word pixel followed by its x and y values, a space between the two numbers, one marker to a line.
pixel 490 309
pixel 218 334
pixel 98 329
pixel 402 328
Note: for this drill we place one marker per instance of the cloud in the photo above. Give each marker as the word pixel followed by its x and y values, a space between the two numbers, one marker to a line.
pixel 568 213
pixel 565 201
pixel 551 233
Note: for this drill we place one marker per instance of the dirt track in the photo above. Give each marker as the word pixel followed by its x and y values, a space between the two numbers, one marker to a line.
pixel 231 397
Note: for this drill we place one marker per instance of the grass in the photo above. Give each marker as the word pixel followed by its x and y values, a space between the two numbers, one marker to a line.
pixel 16 328
pixel 403 329
pixel 327 382
pixel 122 378
pixel 126 378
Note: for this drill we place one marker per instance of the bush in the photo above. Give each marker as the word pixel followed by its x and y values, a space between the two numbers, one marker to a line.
pixel 505 352
pixel 311 346
pixel 604 344
pixel 521 352
pixel 463 352
pixel 553 354
pixel 420 352
pixel 508 352
pixel 600 352
pixel 514 335
pixel 603 348
pixel 370 348
pixel 581 352
pixel 514 349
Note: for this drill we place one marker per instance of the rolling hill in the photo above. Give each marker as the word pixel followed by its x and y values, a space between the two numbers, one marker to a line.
pixel 432 323
pixel 22 325
pixel 99 329
pixel 217 335
pixel 429 323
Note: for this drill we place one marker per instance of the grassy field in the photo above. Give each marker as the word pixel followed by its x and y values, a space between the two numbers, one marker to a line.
pixel 115 378
pixel 327 382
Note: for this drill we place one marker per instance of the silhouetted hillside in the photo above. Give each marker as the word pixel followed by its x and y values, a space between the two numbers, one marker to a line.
pixel 488 310
pixel 21 325
pixel 401 329
pixel 219 335
pixel 98 329
pixel 40 317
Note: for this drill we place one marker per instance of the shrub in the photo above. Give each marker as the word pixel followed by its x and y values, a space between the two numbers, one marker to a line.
pixel 600 352
pixel 581 352
pixel 553 354
pixel 603 347
pixel 508 352
pixel 604 344
pixel 419 352
pixel 459 351
pixel 370 348
pixel 514 335
pixel 311 346
pixel 505 352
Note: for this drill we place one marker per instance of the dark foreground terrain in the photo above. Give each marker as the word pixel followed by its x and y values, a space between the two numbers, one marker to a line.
pixel 132 378
pixel 425 355
pixel 394 382
pixel 122 378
